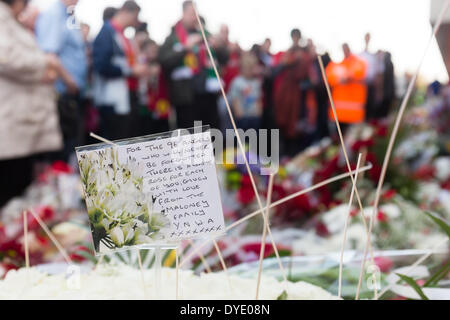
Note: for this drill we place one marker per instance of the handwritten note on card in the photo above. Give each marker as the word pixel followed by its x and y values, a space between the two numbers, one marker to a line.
pixel 180 174
pixel 151 192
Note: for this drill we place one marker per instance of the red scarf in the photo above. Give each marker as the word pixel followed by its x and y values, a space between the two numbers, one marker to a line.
pixel 197 58
pixel 158 98
pixel 231 70
pixel 133 82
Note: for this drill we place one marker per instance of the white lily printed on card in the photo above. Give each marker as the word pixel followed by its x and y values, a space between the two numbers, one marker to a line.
pixel 120 213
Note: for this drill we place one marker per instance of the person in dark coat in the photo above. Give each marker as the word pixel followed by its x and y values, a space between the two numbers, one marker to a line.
pixel 388 86
pixel 193 86
pixel 115 73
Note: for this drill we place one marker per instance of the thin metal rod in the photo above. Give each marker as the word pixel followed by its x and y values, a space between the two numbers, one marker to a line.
pixel 350 202
pixel 263 239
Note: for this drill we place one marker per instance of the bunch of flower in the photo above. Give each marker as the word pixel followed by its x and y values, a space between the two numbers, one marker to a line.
pixel 12 253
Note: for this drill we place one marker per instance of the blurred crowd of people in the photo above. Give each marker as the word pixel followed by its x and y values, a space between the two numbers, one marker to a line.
pixel 56 85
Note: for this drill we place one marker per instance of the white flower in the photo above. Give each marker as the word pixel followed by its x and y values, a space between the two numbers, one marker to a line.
pixel 335 218
pixel 442 166
pixel 356 235
pixel 444 199
pixel 391 210
pixel 117 236
pixel 132 228
pixel 68 233
pixel 367 132
pixel 142 239
pixel 108 282
pixel 105 223
pixel 428 191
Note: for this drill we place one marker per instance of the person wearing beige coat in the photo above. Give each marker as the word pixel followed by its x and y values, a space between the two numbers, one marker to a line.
pixel 29 122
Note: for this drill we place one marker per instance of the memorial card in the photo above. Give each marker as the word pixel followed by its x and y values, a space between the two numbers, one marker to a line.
pixel 151 192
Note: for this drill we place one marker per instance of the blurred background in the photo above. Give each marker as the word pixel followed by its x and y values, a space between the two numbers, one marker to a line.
pixel 402 27
pixel 124 69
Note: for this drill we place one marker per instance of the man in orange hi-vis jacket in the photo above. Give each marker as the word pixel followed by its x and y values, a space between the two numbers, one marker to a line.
pixel 348 87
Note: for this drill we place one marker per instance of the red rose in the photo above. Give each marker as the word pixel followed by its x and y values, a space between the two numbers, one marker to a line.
pixel 8 267
pixel 375 172
pixel 42 239
pixel 384 263
pixel 2 233
pixel 361 144
pixel 354 213
pixel 322 230
pixel 446 185
pixel 75 256
pixel 279 192
pixel 45 213
pixel 325 196
pixel 382 217
pixel 382 131
pixel 57 168
pixel 389 194
pixel 246 194
pixel 61 167
pixel 256 248
pixel 373 122
pixel 327 170
pixel 425 172
pixel 302 202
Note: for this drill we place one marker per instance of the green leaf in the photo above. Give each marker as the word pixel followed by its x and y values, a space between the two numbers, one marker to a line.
pixel 120 257
pixel 440 222
pixel 282 253
pixel 152 261
pixel 437 276
pixel 128 253
pixel 410 281
pixel 283 296
pixel 87 256
pixel 144 254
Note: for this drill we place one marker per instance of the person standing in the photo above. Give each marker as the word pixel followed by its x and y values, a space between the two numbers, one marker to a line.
pixel 58 33
pixel 315 100
pixel 322 129
pixel 228 54
pixel 388 86
pixel 193 87
pixel 29 123
pixel 29 17
pixel 116 71
pixel 155 106
pixel 371 73
pixel 109 13
pixel 294 69
pixel 265 54
pixel 349 89
pixel 246 95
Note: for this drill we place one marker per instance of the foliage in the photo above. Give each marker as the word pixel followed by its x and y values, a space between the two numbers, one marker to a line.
pixel 441 273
